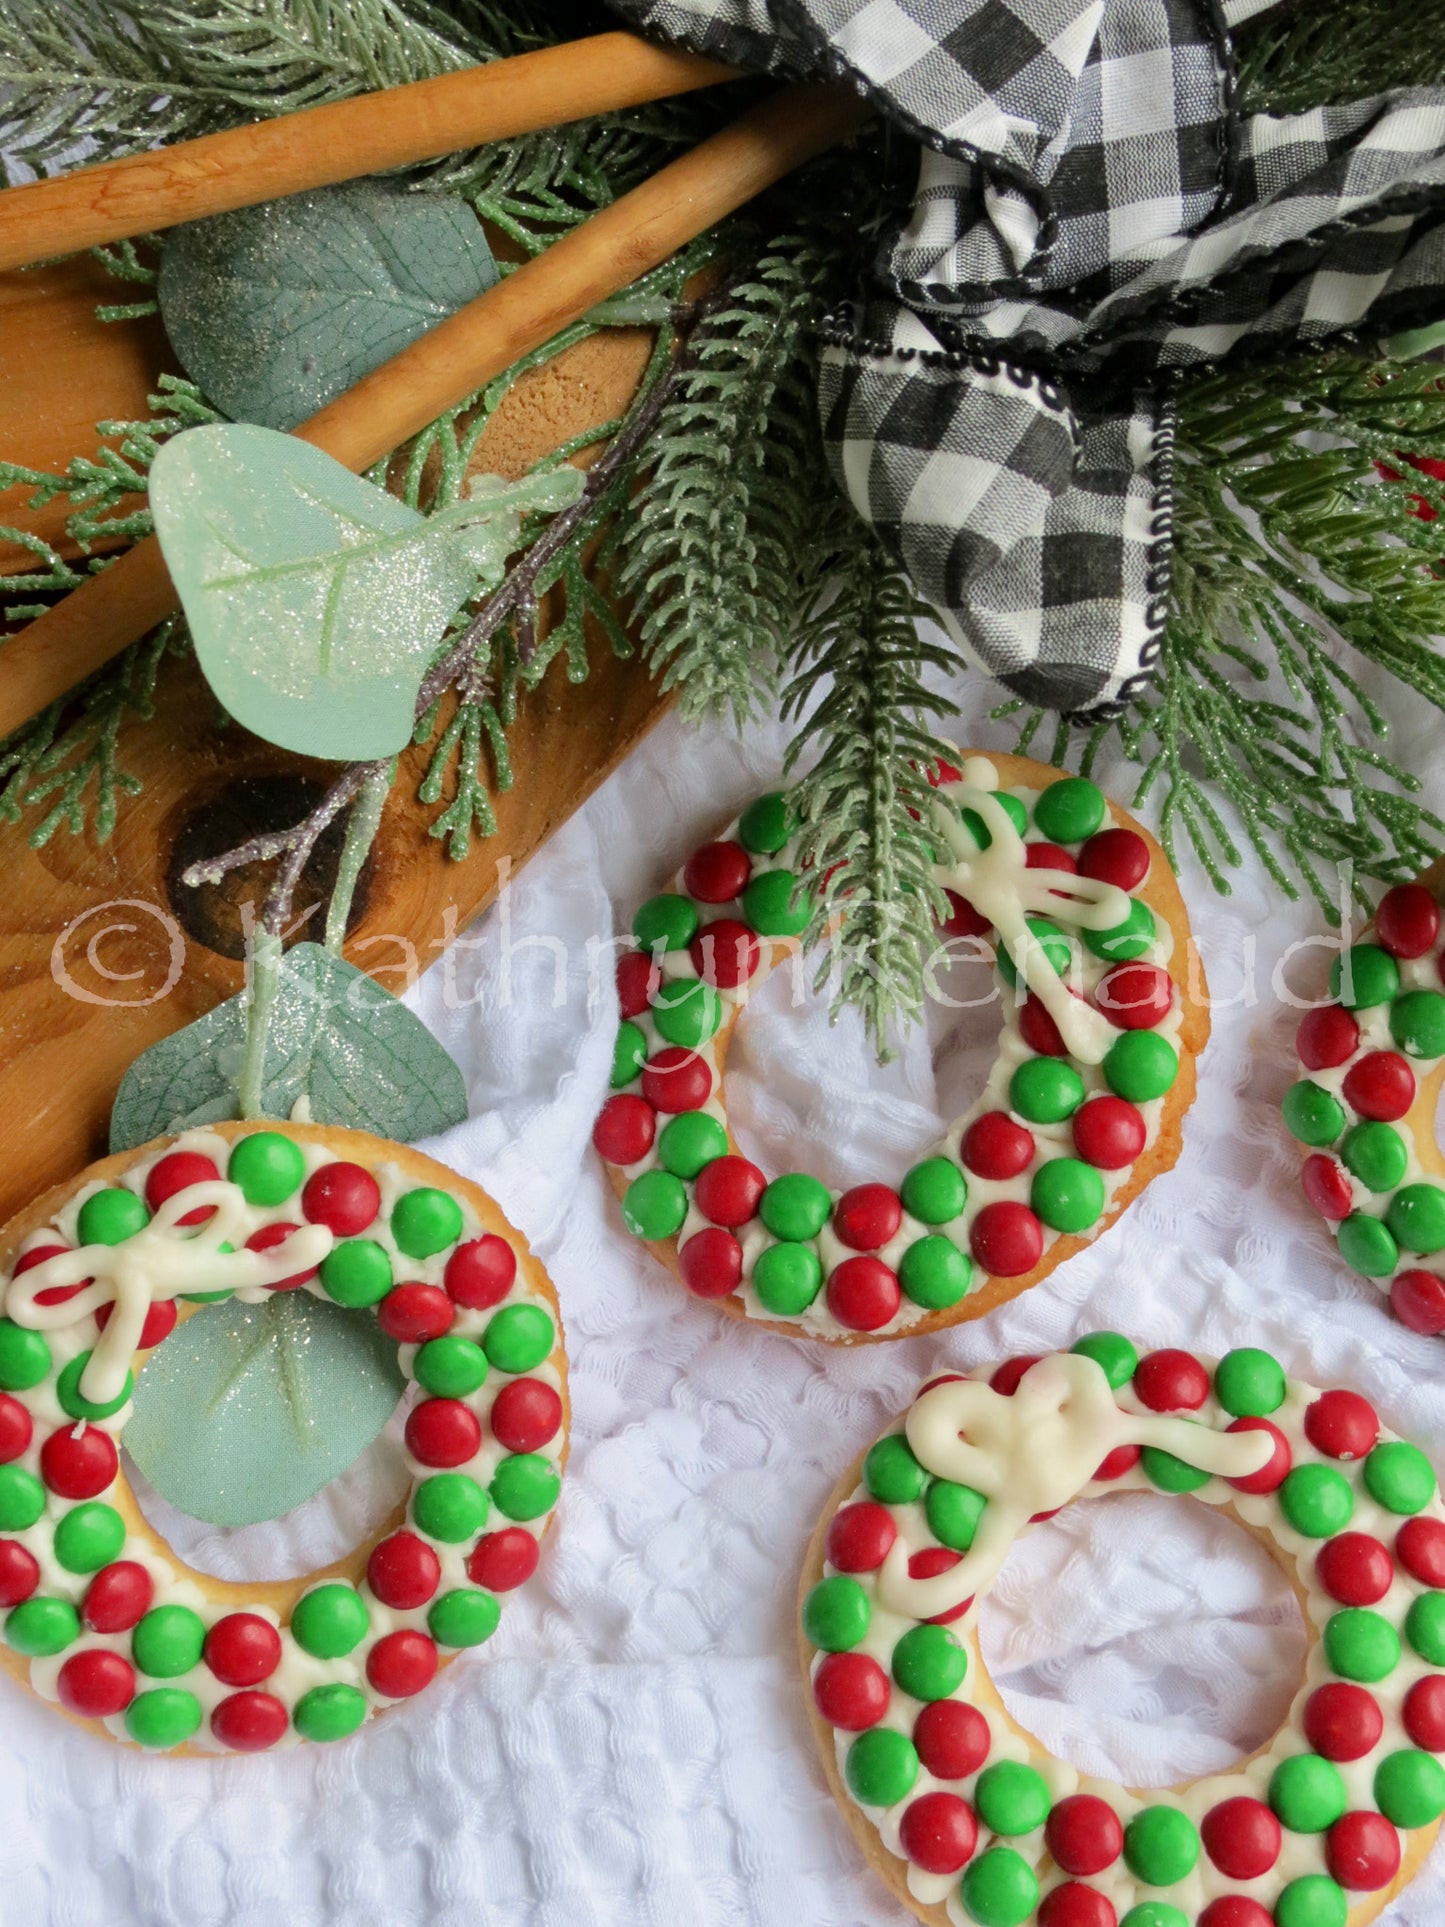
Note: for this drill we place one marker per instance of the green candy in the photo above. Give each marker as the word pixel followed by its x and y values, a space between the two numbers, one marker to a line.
pixel 67 1390
pixel 654 1205
pixel 111 1216
pixel 629 1054
pixel 41 1627
pixel 787 1278
pixel 1045 1090
pixel 1000 1888
pixel 1140 1065
pixel 24 1357
pixel 1050 939
pixel 22 1498
pixel 205 1297
pixel 518 1338
pixel 1416 1218
pixel 1069 810
pixel 1067 1194
pixel 1364 976
pixel 89 1537
pixel 1314 1900
pixel 796 1207
pixel 168 1641
pixel 935 1191
pixel 1011 1798
pixel 1308 1793
pixel 935 1273
pixel 1013 808
pixel 425 1221
pixel 1399 1477
pixel 1361 1645
pixel 166 1716
pixel 665 923
pixel 1317 1500
pixel 768 905
pixel 953 1513
pixel 1312 1114
pixel 329 1712
pixel 929 1663
pixel 356 1272
pixel 449 1506
pixel 891 1473
pixel 1417 1023
pixel 1115 1356
pixel 690 1141
pixel 1155 1913
pixel 450 1367
pixel 836 1614
pixel 330 1621
pixel 463 1618
pixel 1249 1383
pixel 765 826
pixel 525 1486
pixel 1425 1627
pixel 1161 1845
pixel 1410 1788
pixel 267 1166
pixel 1366 1244
pixel 687 1012
pixel 1128 939
pixel 1169 1473
pixel 881 1767
pixel 1375 1153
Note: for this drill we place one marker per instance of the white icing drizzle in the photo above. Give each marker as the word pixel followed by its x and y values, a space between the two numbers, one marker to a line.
pixel 1001 887
pixel 1031 1453
pixel 160 1261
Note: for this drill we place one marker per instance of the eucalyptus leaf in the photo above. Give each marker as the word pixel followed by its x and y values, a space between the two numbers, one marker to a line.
pixel 274 310
pixel 336 1037
pixel 316 600
pixel 247 1410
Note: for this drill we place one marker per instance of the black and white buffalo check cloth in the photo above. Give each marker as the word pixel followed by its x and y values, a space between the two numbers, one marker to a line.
pixel 1092 216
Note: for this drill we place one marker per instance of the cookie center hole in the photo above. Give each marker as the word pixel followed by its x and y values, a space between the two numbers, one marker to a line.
pixel 1143 1640
pixel 804 1094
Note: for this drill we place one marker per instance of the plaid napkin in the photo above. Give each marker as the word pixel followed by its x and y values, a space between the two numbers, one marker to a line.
pixel 1092 217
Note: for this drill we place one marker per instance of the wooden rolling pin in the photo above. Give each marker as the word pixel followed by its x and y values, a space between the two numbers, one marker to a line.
pixel 596 259
pixel 340 141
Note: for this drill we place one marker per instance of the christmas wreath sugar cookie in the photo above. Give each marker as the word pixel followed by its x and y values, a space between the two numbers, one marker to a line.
pixel 99 1614
pixel 1371 1063
pixel 966 1815
pixel 1102 1018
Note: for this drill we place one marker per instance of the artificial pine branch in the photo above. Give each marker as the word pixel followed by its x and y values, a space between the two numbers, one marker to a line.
pixel 1297 57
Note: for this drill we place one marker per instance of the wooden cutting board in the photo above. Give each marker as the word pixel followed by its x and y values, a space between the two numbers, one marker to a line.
pixel 102 949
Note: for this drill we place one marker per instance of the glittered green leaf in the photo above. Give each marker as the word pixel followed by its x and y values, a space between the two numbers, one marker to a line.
pixel 315 599
pixel 336 1038
pixel 247 1410
pixel 274 310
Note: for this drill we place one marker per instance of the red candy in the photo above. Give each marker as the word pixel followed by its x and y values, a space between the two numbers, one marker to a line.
pixel 938 1832
pixel 1407 921
pixel 1326 1186
pixel 728 1190
pixel 1171 1381
pixel 525 1415
pixel 249 1722
pixel 178 1171
pixel 503 1560
pixel 1423 1713
pixel 863 1294
pixel 859 1536
pixel 851 1690
pixel 19 1572
pixel 1048 856
pixel 1342 1722
pixel 952 1739
pixel 412 1313
pixel 1355 1569
pixel 1005 1379
pixel 1276 1468
pixel 1006 1238
pixel 927 1565
pixel 1075 1905
pixel 79 1461
pixel 1363 1851
pixel 160 1320
pixel 1115 856
pixel 402 1663
pixel 481 1272
pixel 403 1572
pixel 1235 1910
pixel 1342 1425
pixel 1109 1132
pixel 1242 1837
pixel 443 1432
pixel 1135 996
pixel 96 1684
pixel 16 1428
pixel 625 1128
pixel 1420 1549
pixel 267 1239
pixel 118 1596
pixel 1122 1459
pixel 1417 1299
pixel 676 1080
pixel 243 1649
pixel 717 873
pixel 638 976
pixel 994 1146
pixel 866 1217
pixel 344 1197
pixel 1326 1037
pixel 1084 1834
pixel 962 920
pixel 942 771
pixel 711 1263
pixel 1380 1085
pixel 724 953
pixel 1039 1031
pixel 37 1255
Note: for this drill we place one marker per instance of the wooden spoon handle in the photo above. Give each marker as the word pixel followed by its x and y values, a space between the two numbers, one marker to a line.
pixel 340 141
